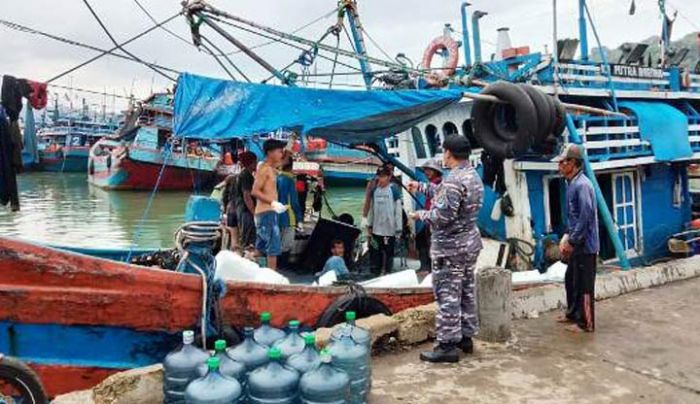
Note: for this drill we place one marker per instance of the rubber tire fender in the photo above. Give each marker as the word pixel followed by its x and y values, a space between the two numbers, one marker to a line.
pixel 19 375
pixel 364 306
pixel 559 118
pixel 504 143
pixel 544 110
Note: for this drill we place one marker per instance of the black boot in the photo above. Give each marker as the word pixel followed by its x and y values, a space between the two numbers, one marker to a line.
pixel 466 345
pixel 442 353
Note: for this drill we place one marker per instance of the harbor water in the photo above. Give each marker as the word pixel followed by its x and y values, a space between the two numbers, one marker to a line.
pixel 63 209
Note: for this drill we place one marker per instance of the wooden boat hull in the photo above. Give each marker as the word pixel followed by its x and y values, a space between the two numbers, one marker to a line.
pixel 69 160
pixel 129 173
pixel 77 319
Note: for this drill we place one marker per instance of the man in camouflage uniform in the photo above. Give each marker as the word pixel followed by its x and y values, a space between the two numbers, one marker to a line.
pixel 455 246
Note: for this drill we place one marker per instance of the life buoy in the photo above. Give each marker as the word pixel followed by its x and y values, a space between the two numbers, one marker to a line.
pixel 438 44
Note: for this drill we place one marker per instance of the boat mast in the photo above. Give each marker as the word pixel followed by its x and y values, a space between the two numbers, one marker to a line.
pixel 350 8
pixel 583 29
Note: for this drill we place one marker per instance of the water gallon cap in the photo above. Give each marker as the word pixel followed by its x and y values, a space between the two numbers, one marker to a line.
pixel 188 337
pixel 265 316
pixel 294 323
pixel 219 345
pixel 213 363
pixel 326 356
pixel 248 331
pixel 350 315
pixel 310 339
pixel 274 353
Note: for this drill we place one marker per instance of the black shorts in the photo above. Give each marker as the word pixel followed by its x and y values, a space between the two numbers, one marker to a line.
pixel 231 219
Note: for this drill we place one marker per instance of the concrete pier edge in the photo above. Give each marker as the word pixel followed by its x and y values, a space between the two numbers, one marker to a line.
pixel 410 326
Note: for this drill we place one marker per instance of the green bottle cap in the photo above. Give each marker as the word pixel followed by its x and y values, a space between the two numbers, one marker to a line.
pixel 350 315
pixel 219 345
pixel 294 323
pixel 274 353
pixel 213 363
pixel 326 356
pixel 310 339
pixel 265 316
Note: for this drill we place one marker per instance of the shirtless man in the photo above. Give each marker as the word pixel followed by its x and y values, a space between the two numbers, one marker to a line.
pixel 268 240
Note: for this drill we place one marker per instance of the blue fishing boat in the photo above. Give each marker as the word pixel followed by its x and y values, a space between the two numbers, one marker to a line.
pixel 64 146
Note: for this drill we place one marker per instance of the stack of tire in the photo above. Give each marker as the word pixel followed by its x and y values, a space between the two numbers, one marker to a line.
pixel 528 120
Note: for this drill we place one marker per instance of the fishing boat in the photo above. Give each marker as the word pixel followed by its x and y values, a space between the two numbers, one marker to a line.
pixel 76 317
pixel 341 166
pixel 144 155
pixel 64 145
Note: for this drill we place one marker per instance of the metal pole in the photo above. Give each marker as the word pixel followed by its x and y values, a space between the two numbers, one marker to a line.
pixel 583 33
pixel 574 107
pixel 602 205
pixel 477 34
pixel 555 48
pixel 465 36
pixel 238 44
pixel 356 28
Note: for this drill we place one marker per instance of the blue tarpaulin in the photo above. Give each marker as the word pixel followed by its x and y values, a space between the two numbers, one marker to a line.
pixel 207 108
pixel 664 127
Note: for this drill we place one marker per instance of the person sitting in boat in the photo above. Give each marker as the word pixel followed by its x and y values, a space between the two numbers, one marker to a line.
pixel 294 215
pixel 244 201
pixel 433 171
pixel 336 262
pixel 385 222
pixel 268 242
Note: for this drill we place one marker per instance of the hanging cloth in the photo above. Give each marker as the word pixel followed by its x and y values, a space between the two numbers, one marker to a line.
pixel 38 96
pixel 11 95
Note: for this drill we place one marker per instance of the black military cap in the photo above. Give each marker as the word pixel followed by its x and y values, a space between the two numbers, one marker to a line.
pixel 457 144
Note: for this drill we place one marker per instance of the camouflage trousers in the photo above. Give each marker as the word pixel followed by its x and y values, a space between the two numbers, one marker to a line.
pixel 455 294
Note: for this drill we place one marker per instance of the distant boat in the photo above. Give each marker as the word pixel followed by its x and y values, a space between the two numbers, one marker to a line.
pixel 136 156
pixel 341 166
pixel 64 146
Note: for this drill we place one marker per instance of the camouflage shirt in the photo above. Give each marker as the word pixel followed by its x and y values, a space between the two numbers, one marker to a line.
pixel 455 208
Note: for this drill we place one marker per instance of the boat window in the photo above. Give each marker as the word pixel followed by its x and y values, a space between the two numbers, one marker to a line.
pixel 434 143
pixel 468 131
pixel 449 128
pixel 418 143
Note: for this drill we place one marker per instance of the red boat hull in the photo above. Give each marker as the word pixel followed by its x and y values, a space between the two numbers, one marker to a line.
pixel 128 311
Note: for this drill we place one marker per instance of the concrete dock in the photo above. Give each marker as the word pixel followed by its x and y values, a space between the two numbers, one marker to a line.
pixel 646 350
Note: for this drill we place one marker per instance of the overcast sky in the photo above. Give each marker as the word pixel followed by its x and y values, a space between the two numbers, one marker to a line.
pixel 396 25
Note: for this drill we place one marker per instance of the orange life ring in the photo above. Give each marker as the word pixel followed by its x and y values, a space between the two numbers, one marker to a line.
pixel 442 43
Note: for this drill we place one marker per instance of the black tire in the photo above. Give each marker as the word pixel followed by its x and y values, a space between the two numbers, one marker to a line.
pixel 559 118
pixel 505 130
pixel 363 306
pixel 545 112
pixel 22 379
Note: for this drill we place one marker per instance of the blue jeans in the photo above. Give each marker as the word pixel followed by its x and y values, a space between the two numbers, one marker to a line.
pixel 268 239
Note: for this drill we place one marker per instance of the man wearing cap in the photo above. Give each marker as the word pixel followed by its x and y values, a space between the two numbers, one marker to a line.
pixel 580 244
pixel 455 246
pixel 433 172
pixel 268 241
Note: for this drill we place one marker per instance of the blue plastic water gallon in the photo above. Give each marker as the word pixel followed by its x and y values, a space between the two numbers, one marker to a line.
pixel 180 368
pixel 292 343
pixel 227 366
pixel 353 358
pixel 359 334
pixel 214 388
pixel 251 354
pixel 308 359
pixel 267 335
pixel 326 384
pixel 273 383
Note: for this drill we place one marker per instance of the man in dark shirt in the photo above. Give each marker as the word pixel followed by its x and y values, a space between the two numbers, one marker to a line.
pixel 245 204
pixel 580 244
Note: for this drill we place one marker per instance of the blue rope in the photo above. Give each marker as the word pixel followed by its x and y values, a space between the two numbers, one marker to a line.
pixel 604 57
pixel 139 229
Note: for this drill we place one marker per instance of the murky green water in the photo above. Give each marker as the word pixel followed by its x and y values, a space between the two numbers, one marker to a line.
pixel 64 209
